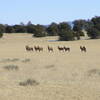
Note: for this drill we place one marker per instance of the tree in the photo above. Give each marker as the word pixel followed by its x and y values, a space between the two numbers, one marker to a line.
pixel 94 33
pixel 93 29
pixel 79 25
pixel 2 28
pixel 9 29
pixel 39 31
pixel 30 28
pixel 65 32
pixel 96 22
pixel 52 30
pixel 67 36
pixel 1 35
pixel 19 29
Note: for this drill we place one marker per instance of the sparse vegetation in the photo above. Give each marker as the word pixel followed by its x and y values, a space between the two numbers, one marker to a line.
pixel 26 60
pixel 9 60
pixel 94 72
pixel 11 67
pixel 15 60
pixel 50 66
pixel 29 82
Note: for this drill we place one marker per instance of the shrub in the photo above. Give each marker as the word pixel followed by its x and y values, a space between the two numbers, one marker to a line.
pixel 29 82
pixel 66 36
pixel 26 60
pixel 11 67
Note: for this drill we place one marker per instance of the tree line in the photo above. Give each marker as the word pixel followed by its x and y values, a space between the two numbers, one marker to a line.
pixel 64 30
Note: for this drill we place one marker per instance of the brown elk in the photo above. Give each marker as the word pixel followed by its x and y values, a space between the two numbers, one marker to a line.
pixel 29 48
pixel 50 49
pixel 66 49
pixel 60 48
pixel 83 48
pixel 37 48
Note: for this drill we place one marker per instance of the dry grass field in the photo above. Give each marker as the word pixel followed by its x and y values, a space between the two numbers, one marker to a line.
pixel 48 76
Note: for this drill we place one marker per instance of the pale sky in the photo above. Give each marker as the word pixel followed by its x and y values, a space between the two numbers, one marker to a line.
pixel 47 11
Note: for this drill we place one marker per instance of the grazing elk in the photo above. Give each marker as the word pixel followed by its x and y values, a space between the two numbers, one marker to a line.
pixel 66 49
pixel 83 48
pixel 37 48
pixel 60 48
pixel 50 49
pixel 29 48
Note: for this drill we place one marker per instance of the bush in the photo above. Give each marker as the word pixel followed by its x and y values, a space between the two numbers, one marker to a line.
pixel 29 82
pixel 26 60
pixel 65 32
pixel 66 36
pixel 11 67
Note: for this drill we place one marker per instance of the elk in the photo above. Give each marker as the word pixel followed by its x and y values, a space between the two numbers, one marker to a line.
pixel 83 48
pixel 60 48
pixel 50 49
pixel 37 48
pixel 29 48
pixel 66 49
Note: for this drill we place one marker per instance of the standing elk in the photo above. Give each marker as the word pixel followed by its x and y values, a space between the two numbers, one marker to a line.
pixel 60 48
pixel 83 48
pixel 37 48
pixel 28 48
pixel 50 49
pixel 66 49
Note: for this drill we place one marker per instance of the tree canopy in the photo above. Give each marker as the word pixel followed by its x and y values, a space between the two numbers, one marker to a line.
pixel 64 30
pixel 94 27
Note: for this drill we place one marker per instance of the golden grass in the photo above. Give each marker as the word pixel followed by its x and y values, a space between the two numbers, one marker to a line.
pixel 61 75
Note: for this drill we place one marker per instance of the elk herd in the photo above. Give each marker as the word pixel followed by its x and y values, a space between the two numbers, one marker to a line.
pixel 50 49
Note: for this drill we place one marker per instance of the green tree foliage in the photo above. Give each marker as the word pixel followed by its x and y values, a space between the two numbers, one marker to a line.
pixel 30 28
pixel 2 28
pixel 94 33
pixel 52 30
pixel 65 32
pixel 19 29
pixel 94 28
pixel 39 31
pixel 79 25
pixel 9 29
pixel 96 22
pixel 1 35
